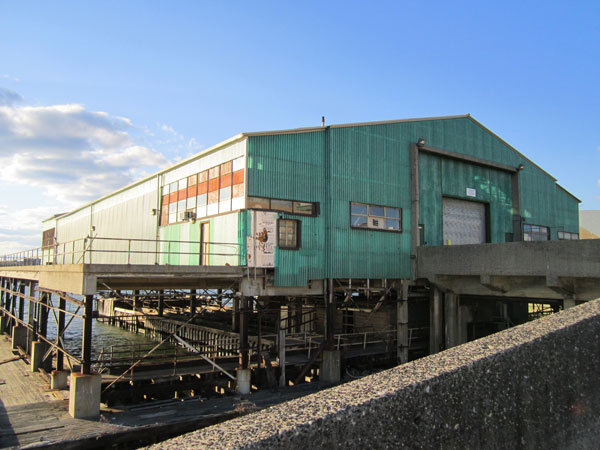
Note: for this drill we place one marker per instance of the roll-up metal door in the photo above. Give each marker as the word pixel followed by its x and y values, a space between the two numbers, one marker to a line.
pixel 464 222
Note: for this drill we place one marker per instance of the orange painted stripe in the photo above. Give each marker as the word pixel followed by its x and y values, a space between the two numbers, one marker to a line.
pixel 226 180
pixel 238 176
pixel 213 185
pixel 191 191
pixel 203 188
pixel 181 195
pixel 173 197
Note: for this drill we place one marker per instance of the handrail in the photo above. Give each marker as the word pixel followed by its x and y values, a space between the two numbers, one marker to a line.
pixel 124 250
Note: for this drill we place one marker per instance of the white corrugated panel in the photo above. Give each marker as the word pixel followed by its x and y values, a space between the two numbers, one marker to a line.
pixel 224 234
pixel 464 222
pixel 235 150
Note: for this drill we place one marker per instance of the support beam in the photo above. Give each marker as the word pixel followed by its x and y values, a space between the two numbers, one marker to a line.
pixel 435 324
pixel 60 357
pixel 451 314
pixel 192 302
pixel 86 345
pixel 21 300
pixel 235 316
pixel 402 321
pixel 568 303
pixel 136 300
pixel 161 303
pixel 244 333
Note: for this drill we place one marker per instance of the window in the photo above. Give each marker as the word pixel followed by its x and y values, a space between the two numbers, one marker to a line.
pixel 535 233
pixel 288 231
pixel 567 236
pixel 288 206
pixel 375 217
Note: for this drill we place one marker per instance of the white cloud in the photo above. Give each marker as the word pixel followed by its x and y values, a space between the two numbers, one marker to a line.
pixel 8 97
pixel 21 229
pixel 72 154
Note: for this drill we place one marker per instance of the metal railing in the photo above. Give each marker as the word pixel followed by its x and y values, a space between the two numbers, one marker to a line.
pixel 100 250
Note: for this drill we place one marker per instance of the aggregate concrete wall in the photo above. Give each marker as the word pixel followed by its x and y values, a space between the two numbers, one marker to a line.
pixel 531 387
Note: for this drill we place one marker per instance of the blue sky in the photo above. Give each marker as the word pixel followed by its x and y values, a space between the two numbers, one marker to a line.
pixel 96 94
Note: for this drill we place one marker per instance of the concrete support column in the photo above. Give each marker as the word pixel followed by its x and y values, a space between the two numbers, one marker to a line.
pixel 243 383
pixel 451 313
pixel 402 321
pixel 19 337
pixel 568 303
pixel 21 301
pixel 58 379
pixel 330 324
pixel 84 395
pixel 282 379
pixel 435 321
pixel 136 299
pixel 331 366
pixel 38 348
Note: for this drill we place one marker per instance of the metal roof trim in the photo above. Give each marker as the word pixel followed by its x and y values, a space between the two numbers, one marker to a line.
pixel 563 189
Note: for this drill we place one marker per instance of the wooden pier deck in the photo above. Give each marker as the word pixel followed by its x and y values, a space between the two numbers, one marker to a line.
pixel 33 416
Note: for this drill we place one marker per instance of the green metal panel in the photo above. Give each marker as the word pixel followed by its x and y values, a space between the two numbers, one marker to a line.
pixel 371 164
pixel 292 167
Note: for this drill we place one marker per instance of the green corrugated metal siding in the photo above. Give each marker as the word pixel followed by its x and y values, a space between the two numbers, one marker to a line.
pixel 371 164
pixel 292 166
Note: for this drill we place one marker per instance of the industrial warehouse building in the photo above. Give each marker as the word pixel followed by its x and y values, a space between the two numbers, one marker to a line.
pixel 340 245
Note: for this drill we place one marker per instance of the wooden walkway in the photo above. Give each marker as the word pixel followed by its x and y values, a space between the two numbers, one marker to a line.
pixel 20 386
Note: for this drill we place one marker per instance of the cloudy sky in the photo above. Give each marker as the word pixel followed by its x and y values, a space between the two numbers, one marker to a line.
pixel 94 95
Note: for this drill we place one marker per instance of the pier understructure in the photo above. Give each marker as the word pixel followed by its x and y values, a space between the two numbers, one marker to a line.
pixel 228 328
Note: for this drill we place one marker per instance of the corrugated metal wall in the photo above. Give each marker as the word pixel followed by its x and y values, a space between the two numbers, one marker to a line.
pixel 292 167
pixel 183 247
pixel 371 164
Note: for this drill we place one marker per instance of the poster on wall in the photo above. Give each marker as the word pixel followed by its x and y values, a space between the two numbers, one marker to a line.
pixel 261 244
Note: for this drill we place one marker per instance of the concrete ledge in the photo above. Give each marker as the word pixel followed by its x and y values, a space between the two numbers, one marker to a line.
pixel 532 386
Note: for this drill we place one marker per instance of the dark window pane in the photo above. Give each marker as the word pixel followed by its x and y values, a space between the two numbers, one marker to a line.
pixel 359 221
pixel 359 208
pixel 376 211
pixel 258 203
pixel 392 213
pixel 392 224
pixel 303 208
pixel 282 205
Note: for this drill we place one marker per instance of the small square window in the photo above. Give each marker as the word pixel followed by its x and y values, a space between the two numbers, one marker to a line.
pixel 282 205
pixel 288 233
pixel 375 217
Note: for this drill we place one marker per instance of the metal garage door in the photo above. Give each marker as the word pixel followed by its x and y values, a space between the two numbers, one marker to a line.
pixel 464 222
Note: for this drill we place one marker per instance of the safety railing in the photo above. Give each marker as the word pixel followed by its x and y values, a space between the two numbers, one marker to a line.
pixel 100 250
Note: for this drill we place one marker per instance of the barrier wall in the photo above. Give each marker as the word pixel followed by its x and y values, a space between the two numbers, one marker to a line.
pixel 530 387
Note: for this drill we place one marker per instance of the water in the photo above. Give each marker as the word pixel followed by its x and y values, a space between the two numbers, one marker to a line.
pixel 103 335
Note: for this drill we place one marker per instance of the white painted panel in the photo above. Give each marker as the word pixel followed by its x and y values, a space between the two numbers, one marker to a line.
pixel 463 222
pixel 224 236
pixel 233 151
pixel 238 203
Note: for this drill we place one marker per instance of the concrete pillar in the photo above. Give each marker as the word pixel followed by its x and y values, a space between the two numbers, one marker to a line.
pixel 402 321
pixel 331 366
pixel 435 321
pixel 243 383
pixel 19 337
pixel 58 379
pixel 465 315
pixel 568 303
pixel 38 348
pixel 451 312
pixel 244 347
pixel 161 303
pixel 84 395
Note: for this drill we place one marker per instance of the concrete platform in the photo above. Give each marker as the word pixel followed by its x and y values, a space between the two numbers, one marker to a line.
pixel 542 269
pixel 87 279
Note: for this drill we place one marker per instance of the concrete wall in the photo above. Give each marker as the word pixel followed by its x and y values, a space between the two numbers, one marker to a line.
pixel 530 387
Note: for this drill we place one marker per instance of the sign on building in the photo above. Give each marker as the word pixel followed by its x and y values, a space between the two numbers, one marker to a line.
pixel 261 244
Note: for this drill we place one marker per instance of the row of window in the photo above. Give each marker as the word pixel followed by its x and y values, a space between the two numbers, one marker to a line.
pixel 288 206
pixel 217 190
pixel 565 235
pixel 540 233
